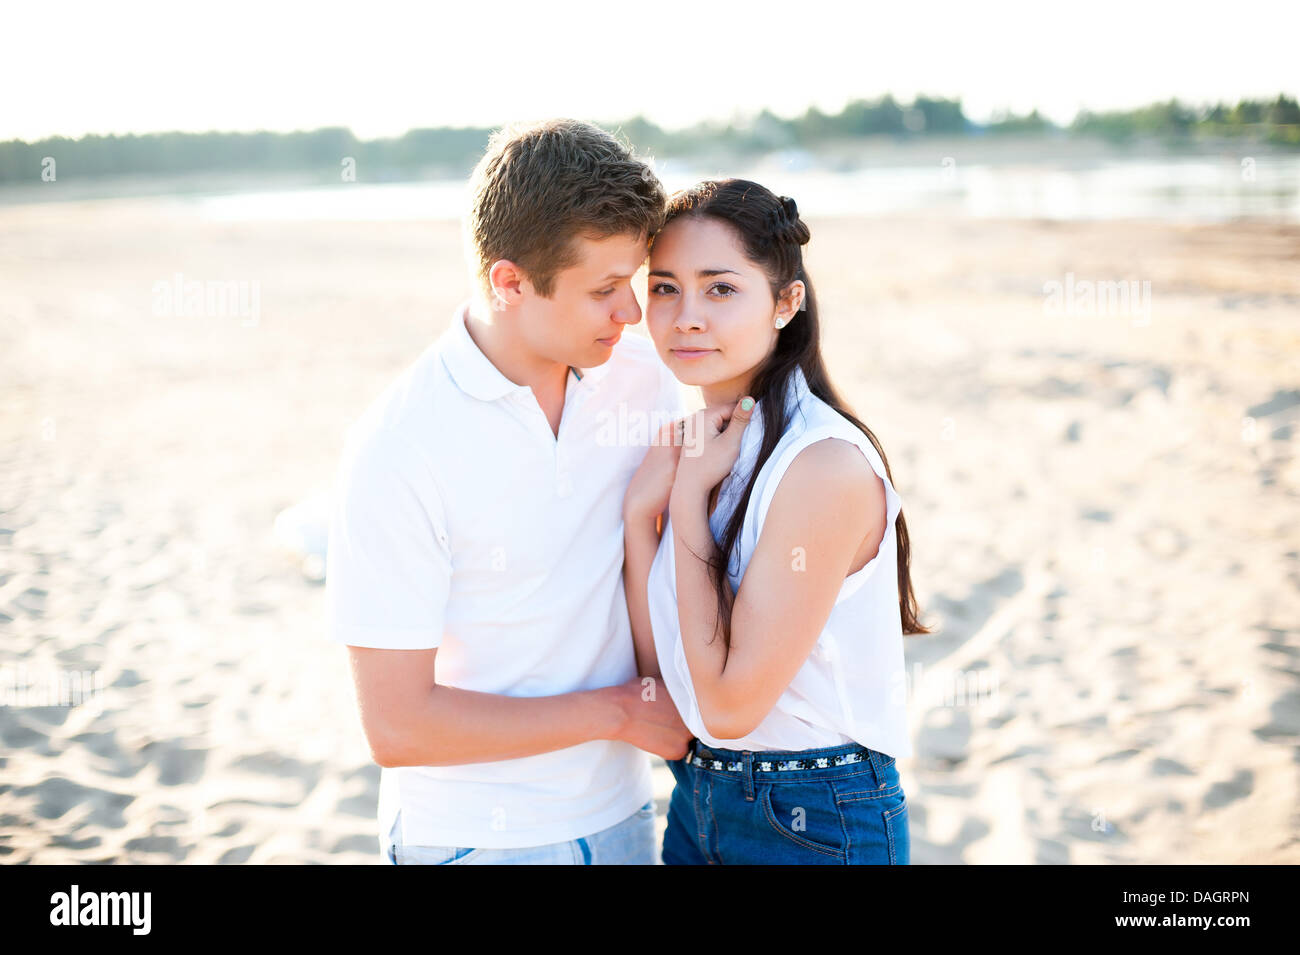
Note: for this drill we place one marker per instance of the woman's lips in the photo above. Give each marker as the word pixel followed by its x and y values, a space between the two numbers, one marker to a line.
pixel 612 340
pixel 689 354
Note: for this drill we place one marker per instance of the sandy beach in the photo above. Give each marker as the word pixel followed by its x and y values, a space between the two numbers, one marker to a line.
pixel 1102 491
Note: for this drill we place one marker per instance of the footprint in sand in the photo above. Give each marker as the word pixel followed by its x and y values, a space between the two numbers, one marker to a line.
pixel 177 765
pixel 1241 785
pixel 281 767
pixel 1284 718
pixel 236 856
pixel 106 747
pixel 166 845
pixel 57 796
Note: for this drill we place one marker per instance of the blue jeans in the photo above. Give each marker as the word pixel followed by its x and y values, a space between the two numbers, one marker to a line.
pixel 855 814
pixel 630 842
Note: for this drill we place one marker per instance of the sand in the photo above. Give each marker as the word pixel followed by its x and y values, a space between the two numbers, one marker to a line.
pixel 1104 506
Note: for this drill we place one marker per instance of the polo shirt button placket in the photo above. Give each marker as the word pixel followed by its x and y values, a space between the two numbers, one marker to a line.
pixel 563 485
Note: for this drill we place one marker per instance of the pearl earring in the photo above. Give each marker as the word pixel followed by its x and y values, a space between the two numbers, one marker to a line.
pixel 780 323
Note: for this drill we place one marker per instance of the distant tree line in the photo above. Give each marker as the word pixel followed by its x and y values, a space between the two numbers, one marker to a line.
pixel 453 151
pixel 1275 122
pixel 181 153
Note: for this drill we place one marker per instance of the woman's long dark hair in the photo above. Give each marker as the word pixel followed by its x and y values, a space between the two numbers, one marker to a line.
pixel 773 236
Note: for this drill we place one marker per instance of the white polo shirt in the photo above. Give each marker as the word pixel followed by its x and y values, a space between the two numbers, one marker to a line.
pixel 463 522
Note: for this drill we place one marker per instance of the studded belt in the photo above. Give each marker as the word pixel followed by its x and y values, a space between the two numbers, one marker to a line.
pixel 777 765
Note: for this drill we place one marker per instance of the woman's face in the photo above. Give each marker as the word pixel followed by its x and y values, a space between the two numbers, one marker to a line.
pixel 709 309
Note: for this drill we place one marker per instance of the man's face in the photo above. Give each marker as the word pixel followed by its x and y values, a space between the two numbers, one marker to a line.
pixel 590 303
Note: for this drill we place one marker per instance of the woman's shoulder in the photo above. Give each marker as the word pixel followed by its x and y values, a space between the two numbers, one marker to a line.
pixel 812 423
pixel 830 502
pixel 825 456
pixel 833 466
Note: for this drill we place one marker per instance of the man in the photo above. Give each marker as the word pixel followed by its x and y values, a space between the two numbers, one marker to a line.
pixel 476 549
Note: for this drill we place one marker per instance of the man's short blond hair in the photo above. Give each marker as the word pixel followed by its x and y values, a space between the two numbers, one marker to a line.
pixel 541 185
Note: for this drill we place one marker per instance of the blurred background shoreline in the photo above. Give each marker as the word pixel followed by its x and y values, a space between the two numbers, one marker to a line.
pixel 1165 161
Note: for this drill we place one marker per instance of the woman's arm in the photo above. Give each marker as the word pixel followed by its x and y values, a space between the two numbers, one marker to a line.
pixel 827 502
pixel 640 543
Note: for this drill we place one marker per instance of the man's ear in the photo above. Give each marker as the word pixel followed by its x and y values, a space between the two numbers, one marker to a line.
pixel 506 280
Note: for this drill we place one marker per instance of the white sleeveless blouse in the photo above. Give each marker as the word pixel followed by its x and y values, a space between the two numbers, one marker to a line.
pixel 852 686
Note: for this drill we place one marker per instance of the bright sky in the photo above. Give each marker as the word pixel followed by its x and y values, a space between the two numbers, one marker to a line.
pixel 382 68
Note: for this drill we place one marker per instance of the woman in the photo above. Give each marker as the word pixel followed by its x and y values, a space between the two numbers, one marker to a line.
pixel 767 558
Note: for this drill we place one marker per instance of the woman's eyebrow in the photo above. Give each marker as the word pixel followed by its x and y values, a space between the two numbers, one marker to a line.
pixel 703 273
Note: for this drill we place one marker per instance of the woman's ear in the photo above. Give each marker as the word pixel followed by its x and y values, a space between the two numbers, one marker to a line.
pixel 790 302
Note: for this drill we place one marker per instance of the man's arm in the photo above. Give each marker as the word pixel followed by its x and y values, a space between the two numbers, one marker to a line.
pixel 387 581
pixel 409 720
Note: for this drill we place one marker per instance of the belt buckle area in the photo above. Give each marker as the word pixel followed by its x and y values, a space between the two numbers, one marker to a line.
pixel 695 756
pixel 705 758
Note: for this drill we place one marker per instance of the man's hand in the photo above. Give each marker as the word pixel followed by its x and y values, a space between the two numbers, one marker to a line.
pixel 651 721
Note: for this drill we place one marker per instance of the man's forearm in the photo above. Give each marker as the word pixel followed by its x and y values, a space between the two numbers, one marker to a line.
pixel 454 726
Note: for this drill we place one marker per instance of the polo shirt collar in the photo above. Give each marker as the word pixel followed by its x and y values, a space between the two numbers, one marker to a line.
pixel 475 375
pixel 469 367
pixel 588 377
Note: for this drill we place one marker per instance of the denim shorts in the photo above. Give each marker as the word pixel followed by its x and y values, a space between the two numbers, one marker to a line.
pixel 630 842
pixel 838 806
